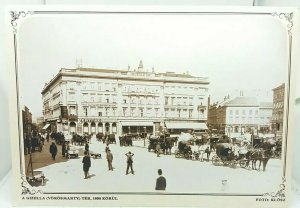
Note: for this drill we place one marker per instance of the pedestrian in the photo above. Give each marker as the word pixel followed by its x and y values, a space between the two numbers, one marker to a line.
pixel 157 149
pixel 106 148
pixel 109 157
pixel 161 182
pixel 47 137
pixel 87 147
pixel 53 150
pixel 63 149
pixel 86 164
pixel 68 147
pixel 129 162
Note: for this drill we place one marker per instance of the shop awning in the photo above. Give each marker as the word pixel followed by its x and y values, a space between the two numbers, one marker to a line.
pixel 46 126
pixel 186 125
pixel 137 123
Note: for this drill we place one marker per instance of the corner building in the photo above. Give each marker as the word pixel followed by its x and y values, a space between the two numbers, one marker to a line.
pixel 88 100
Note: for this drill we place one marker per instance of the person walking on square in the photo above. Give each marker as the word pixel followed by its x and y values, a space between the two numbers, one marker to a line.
pixel 106 148
pixel 63 149
pixel 157 149
pixel 129 162
pixel 109 157
pixel 53 150
pixel 87 146
pixel 161 182
pixel 86 164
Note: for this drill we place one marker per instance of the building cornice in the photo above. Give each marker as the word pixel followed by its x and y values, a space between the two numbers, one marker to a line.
pixel 116 76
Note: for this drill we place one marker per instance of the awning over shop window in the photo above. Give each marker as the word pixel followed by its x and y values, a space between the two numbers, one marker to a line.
pixel 186 125
pixel 137 123
pixel 46 126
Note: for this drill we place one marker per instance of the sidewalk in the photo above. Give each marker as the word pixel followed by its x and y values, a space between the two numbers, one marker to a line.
pixel 43 158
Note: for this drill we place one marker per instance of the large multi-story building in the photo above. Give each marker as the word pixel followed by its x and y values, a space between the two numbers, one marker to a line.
pixel 240 115
pixel 278 109
pixel 87 100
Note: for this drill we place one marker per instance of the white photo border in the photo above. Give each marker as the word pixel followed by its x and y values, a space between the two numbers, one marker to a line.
pixel 286 18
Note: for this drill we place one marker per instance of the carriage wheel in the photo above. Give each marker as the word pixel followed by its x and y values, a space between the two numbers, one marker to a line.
pixel 225 162
pixel 177 154
pixel 243 163
pixel 187 156
pixel 215 160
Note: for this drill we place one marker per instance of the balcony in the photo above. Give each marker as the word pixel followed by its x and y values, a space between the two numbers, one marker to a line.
pixel 73 117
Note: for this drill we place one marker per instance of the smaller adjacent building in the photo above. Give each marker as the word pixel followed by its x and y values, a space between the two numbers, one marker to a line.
pixel 27 122
pixel 278 109
pixel 240 115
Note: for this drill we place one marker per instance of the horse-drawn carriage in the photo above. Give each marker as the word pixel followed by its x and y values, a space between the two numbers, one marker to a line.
pixel 73 152
pixel 184 150
pixel 111 139
pixel 36 144
pixel 78 140
pixel 58 137
pixel 227 154
pixel 126 140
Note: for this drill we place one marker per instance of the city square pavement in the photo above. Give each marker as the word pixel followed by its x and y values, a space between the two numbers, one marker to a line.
pixel 183 176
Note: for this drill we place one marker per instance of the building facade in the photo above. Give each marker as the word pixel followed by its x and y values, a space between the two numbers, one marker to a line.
pixel 278 109
pixel 86 100
pixel 240 115
pixel 27 122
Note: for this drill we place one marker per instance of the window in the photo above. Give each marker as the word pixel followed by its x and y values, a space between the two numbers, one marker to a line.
pixel 114 99
pixel 99 86
pixel 92 85
pixel 99 113
pixel 85 111
pixel 93 111
pixel 250 112
pixel 124 101
pixel 256 112
pixel 92 99
pixel 85 97
pixel 231 112
pixel 124 111
pixel 172 100
pixel 190 101
pixel 244 112
pixel 141 112
pixel 71 96
pixel 99 98
pixel 166 100
pixel 156 112
pixel 107 111
pixel 72 110
pixel 236 112
pixel 178 113
pixel 132 112
pixel 114 111
pixel 190 113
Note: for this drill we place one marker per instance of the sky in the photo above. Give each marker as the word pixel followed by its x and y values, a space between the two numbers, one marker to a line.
pixel 235 52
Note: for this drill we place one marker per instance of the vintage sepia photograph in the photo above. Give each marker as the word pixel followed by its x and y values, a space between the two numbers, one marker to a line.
pixel 152 103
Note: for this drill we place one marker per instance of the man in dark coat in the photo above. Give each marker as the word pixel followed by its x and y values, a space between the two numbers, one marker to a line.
pixel 87 147
pixel 86 164
pixel 109 157
pixel 129 162
pixel 53 150
pixel 161 182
